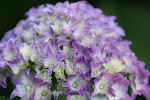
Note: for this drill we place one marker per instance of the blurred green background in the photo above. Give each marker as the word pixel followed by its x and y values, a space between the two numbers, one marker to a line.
pixel 132 15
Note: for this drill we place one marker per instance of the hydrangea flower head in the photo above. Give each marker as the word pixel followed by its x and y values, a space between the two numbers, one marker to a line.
pixel 72 51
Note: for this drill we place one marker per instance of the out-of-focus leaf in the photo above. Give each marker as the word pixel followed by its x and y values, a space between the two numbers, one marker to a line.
pixel 4 98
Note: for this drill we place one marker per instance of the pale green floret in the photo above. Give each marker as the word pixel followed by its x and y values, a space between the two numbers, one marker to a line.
pixel 66 50
pixel 42 27
pixel 43 75
pixel 77 97
pixel 50 61
pixel 18 67
pixel 8 56
pixel 69 67
pixel 77 33
pixel 59 87
pixel 86 41
pixel 28 34
pixel 59 71
pixel 26 51
pixel 46 77
pixel 114 66
pixel 42 93
pixel 35 57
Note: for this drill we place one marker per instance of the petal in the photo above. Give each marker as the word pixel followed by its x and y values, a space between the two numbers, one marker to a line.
pixel 76 84
pixel 3 81
pixel 77 97
pixel 96 69
pixel 35 55
pixel 103 85
pixel 42 92
pixel 17 93
pixel 9 51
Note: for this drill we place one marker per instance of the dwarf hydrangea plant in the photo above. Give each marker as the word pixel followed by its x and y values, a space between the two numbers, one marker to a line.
pixel 72 51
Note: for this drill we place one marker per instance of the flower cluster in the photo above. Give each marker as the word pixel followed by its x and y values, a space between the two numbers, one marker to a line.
pixel 73 51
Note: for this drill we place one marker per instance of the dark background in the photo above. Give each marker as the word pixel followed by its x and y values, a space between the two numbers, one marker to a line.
pixel 132 15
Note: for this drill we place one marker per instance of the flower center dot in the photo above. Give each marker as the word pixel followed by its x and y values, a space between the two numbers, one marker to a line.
pixel 101 86
pixel 74 85
pixel 44 93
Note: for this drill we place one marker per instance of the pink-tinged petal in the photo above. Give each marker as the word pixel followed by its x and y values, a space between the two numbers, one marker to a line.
pixel 97 53
pixel 87 41
pixel 2 64
pixel 120 86
pixel 96 70
pixel 145 91
pixel 129 61
pixel 124 46
pixel 139 80
pixel 41 43
pixel 79 50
